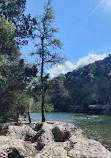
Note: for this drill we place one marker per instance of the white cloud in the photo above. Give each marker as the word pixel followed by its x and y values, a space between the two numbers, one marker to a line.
pixel 90 59
pixel 69 66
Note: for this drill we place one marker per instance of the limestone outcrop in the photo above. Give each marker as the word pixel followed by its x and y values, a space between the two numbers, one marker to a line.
pixel 48 140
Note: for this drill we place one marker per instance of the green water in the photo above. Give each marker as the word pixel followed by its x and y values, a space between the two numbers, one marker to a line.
pixel 95 127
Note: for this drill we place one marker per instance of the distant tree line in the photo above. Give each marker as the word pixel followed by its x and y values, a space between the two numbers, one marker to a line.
pixel 89 85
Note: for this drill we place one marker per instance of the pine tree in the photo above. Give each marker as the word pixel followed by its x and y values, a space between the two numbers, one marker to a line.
pixel 46 46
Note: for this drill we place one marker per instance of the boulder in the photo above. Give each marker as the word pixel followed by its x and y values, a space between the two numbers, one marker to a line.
pixel 23 132
pixel 53 151
pixel 4 128
pixel 14 148
pixel 60 135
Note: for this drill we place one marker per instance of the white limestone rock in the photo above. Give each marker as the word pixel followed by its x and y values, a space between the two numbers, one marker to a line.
pixel 87 148
pixel 48 140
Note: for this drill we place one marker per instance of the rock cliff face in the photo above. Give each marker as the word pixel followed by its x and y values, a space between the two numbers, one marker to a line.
pixel 50 139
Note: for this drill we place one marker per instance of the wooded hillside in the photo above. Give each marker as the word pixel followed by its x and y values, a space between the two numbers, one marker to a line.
pixel 87 85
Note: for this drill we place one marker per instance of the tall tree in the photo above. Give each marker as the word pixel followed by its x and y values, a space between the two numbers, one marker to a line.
pixel 46 46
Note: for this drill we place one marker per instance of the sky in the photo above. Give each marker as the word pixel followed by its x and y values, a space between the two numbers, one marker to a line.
pixel 84 29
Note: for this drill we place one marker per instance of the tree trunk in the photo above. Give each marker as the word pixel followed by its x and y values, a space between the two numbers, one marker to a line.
pixel 29 117
pixel 17 114
pixel 42 81
pixel 43 111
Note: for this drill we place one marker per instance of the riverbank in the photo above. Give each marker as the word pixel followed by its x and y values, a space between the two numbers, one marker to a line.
pixel 50 139
pixel 95 127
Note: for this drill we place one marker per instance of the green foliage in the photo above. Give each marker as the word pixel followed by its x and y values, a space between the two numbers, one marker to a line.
pixel 14 93
pixel 57 94
pixel 6 29
pixel 14 11
pixel 48 107
pixel 8 46
pixel 3 60
pixel 6 35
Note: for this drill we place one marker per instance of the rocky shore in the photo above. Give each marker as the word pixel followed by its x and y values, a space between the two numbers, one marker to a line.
pixel 50 139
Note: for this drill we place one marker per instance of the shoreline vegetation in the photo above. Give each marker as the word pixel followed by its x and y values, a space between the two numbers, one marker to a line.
pixel 49 139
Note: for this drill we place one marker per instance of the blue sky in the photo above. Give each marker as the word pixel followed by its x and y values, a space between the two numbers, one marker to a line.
pixel 84 29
